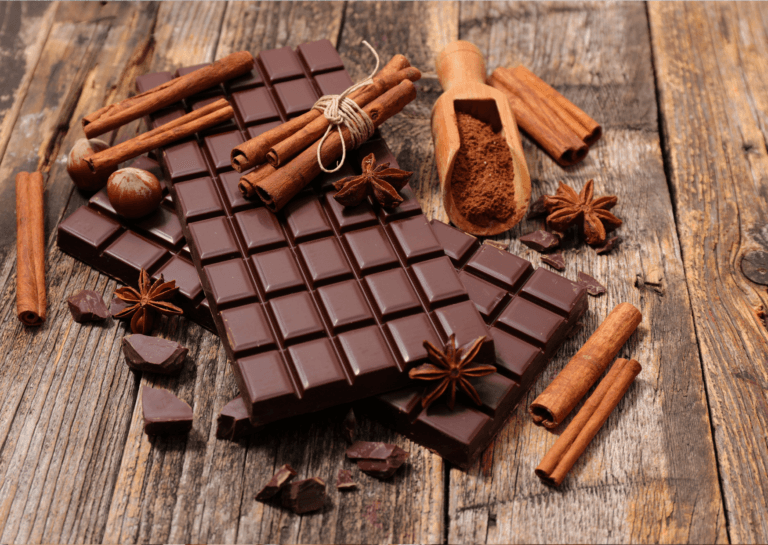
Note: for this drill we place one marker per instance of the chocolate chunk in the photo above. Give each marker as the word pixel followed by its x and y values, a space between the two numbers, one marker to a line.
pixel 87 306
pixel 609 245
pixel 350 425
pixel 304 496
pixel 555 260
pixel 379 460
pixel 153 354
pixel 164 413
pixel 537 208
pixel 344 480
pixel 233 422
pixel 283 476
pixel 541 241
pixel 594 287
pixel 117 305
pixel 503 246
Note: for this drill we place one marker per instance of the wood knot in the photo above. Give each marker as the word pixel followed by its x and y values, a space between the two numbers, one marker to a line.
pixel 754 265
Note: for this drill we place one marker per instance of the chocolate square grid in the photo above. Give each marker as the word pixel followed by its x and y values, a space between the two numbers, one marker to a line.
pixel 327 280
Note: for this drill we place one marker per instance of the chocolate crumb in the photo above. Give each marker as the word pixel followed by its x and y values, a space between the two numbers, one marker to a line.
pixel 541 241
pixel 537 208
pixel 379 460
pixel 610 244
pixel 496 244
pixel 278 481
pixel 594 287
pixel 117 305
pixel 350 426
pixel 153 354
pixel 344 480
pixel 87 306
pixel 233 422
pixel 554 260
pixel 304 496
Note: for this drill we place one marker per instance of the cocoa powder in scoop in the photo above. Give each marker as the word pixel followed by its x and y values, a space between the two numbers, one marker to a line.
pixel 483 173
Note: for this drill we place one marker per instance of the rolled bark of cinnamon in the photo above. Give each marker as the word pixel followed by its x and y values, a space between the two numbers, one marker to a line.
pixel 116 115
pixel 287 149
pixel 586 366
pixel 254 151
pixel 287 181
pixel 251 179
pixel 30 249
pixel 556 124
pixel 585 425
pixel 187 125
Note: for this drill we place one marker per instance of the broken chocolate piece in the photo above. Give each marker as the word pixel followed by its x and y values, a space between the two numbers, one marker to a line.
pixel 153 354
pixel 283 476
pixel 541 241
pixel 555 260
pixel 609 245
pixel 344 480
pixel 537 208
pixel 304 496
pixel 594 287
pixel 164 413
pixel 233 422
pixel 87 306
pixel 350 425
pixel 377 459
pixel 117 305
pixel 503 246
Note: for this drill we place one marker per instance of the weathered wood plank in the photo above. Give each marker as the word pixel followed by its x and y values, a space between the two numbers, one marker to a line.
pixel 650 474
pixel 711 77
pixel 24 28
pixel 67 402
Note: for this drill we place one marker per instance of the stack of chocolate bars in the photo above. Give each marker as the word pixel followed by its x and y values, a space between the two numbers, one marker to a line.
pixel 320 305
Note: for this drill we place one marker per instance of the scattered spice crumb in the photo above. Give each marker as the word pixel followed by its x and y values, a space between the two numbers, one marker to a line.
pixel 594 287
pixel 556 260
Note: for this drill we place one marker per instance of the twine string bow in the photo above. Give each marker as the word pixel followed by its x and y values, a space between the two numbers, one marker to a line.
pixel 341 110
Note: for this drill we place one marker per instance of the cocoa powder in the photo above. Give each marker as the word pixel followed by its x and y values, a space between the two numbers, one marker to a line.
pixel 483 173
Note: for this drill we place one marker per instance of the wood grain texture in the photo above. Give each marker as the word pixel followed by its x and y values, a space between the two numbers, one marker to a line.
pixel 67 402
pixel 635 482
pixel 711 77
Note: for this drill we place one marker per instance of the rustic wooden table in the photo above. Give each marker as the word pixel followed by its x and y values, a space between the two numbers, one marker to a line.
pixel 682 93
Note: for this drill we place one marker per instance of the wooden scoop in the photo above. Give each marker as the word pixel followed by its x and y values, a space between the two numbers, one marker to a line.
pixel 461 69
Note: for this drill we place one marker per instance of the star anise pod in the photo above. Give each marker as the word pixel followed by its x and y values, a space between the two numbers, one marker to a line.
pixel 146 302
pixel 451 367
pixel 568 208
pixel 380 182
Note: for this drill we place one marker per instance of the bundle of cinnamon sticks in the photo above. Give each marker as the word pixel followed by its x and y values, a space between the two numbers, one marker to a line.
pixel 286 157
pixel 560 127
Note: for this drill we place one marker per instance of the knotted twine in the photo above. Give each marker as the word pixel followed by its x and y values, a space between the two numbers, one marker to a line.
pixel 341 110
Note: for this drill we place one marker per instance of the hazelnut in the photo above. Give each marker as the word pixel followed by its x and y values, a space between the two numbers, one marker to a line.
pixel 133 192
pixel 78 169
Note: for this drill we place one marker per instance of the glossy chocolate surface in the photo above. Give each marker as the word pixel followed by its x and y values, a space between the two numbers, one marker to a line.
pixel 530 314
pixel 118 247
pixel 303 298
pixel 164 413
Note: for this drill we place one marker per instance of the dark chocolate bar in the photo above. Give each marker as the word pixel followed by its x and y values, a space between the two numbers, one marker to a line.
pixel 120 248
pixel 530 313
pixel 317 305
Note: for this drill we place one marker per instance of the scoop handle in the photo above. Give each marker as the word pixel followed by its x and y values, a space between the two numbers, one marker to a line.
pixel 460 62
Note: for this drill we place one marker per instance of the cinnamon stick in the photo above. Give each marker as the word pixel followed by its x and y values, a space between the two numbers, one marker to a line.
pixel 563 130
pixel 574 440
pixel 287 149
pixel 254 151
pixel 116 115
pixel 586 128
pixel 187 125
pixel 573 382
pixel 283 184
pixel 30 249
pixel 250 180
